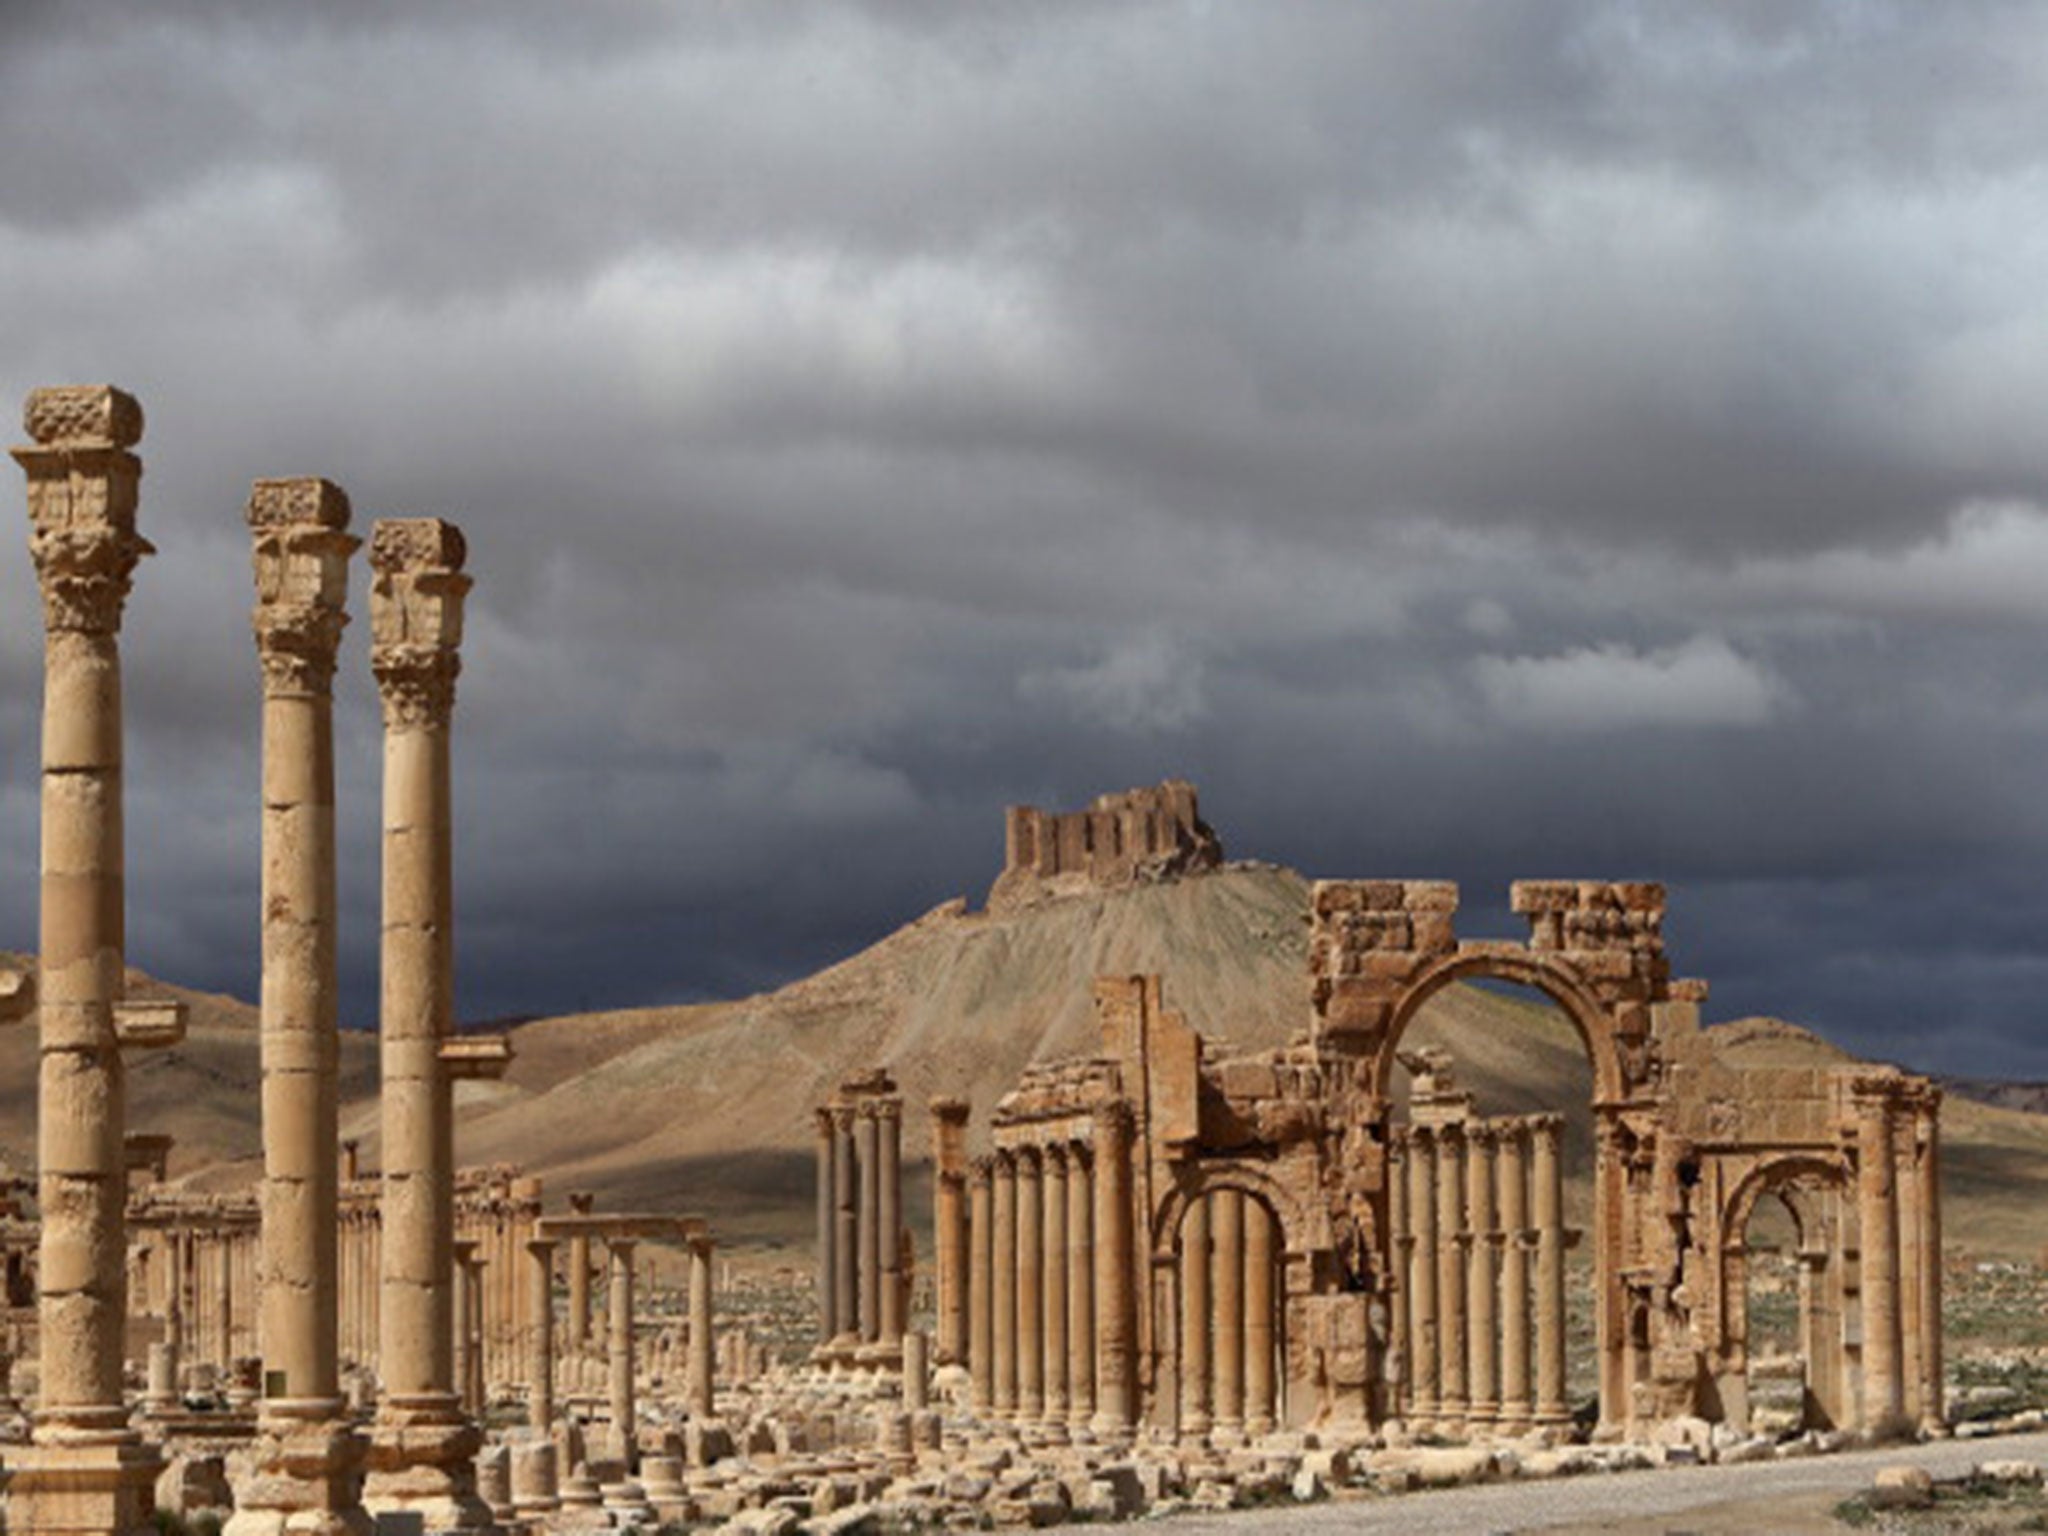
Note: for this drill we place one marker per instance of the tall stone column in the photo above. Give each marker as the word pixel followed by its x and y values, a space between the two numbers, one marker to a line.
pixel 1423 1399
pixel 423 1446
pixel 306 1452
pixel 1481 1280
pixel 1080 1288
pixel 889 1220
pixel 1226 1292
pixel 846 1223
pixel 1927 1124
pixel 981 1306
pixel 1452 1236
pixel 1004 1289
pixel 469 1324
pixel 700 1377
pixel 1054 1294
pixel 949 1225
pixel 829 1322
pixel 540 1333
pixel 579 1280
pixel 1551 1405
pixel 1878 1210
pixel 1401 1234
pixel 619 1260
pixel 1116 1401
pixel 1195 1310
pixel 1261 1267
pixel 1030 1285
pixel 87 1469
pixel 868 1163
pixel 1512 1171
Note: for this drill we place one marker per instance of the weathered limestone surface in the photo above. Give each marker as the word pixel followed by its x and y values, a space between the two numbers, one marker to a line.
pixel 1141 834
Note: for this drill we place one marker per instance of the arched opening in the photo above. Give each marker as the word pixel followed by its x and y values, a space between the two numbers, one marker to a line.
pixel 1229 1342
pixel 1774 1352
pixel 1491 1096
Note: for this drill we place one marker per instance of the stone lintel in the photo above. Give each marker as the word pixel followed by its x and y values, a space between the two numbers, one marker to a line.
pixel 622 1225
pixel 471 1058
pixel 144 1024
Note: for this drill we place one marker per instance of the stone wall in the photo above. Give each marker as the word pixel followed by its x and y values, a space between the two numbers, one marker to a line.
pixel 1119 840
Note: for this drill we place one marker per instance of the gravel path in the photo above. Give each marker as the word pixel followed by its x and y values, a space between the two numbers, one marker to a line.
pixel 1594 1499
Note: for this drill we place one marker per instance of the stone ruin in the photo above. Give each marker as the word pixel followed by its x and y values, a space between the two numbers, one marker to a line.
pixel 1120 840
pixel 1165 1239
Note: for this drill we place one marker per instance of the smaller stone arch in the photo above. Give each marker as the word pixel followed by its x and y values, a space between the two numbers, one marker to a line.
pixel 1196 1180
pixel 1225 1280
pixel 1770 1175
pixel 1798 1180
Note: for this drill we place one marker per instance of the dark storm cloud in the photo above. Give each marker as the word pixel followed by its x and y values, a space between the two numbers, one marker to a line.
pixel 1469 440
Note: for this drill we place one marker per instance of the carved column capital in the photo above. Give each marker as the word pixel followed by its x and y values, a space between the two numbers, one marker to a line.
pixel 416 592
pixel 82 484
pixel 301 550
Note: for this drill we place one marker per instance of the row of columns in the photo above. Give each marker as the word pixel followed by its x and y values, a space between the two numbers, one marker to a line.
pixel 199 1276
pixel 861 1281
pixel 1051 1279
pixel 1229 1286
pixel 1477 1210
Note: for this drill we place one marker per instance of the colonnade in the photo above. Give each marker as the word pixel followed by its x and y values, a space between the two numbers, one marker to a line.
pixel 1229 1286
pixel 862 1279
pixel 1051 1283
pixel 1477 1210
pixel 193 1263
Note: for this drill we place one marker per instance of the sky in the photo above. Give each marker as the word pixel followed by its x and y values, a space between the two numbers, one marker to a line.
pixel 1469 441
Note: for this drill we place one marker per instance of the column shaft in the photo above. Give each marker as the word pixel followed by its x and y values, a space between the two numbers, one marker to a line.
pixel 1261 1268
pixel 1195 1304
pixel 1424 1401
pixel 1883 1407
pixel 1005 1287
pixel 1115 1302
pixel 1481 1279
pixel 1548 1171
pixel 701 1388
pixel 1401 1235
pixel 1030 1284
pixel 1452 1238
pixel 1054 1295
pixel 981 1312
pixel 1080 1288
pixel 868 1166
pixel 846 1212
pixel 889 1221
pixel 1226 1292
pixel 625 1444
pixel 1512 1170
pixel 828 1227
pixel 540 1360
pixel 1933 1408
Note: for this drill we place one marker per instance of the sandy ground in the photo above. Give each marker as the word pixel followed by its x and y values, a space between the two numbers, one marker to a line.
pixel 1794 1498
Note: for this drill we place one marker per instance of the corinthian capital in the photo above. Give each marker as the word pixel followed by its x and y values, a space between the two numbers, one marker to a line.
pixel 302 547
pixel 81 502
pixel 416 592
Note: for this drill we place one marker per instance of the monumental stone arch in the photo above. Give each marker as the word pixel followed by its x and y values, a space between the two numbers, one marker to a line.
pixel 1146 1212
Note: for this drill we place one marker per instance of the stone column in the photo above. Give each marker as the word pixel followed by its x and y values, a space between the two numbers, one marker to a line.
pixel 423 1446
pixel 1877 1200
pixel 1005 1287
pixel 1195 1307
pixel 1260 1269
pixel 1481 1279
pixel 579 1280
pixel 868 1164
pixel 889 1220
pixel 540 1358
pixel 1115 1301
pixel 1551 1405
pixel 1452 1236
pixel 846 1221
pixel 1401 1235
pixel 1080 1289
pixel 1423 1401
pixel 701 1389
pixel 981 1309
pixel 469 1324
pixel 1030 1285
pixel 1054 1296
pixel 1927 1121
pixel 87 1469
pixel 1512 1178
pixel 307 1454
pixel 829 1322
pixel 949 1226
pixel 619 1257
pixel 1226 1291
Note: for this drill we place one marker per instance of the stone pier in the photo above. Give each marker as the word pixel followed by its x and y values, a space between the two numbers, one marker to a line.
pixel 307 1453
pixel 87 1468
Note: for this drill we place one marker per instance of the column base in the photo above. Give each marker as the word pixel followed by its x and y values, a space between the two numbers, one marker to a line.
pixel 422 1463
pixel 107 1488
pixel 308 1474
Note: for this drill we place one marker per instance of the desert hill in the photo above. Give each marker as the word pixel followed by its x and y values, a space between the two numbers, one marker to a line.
pixel 707 1107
